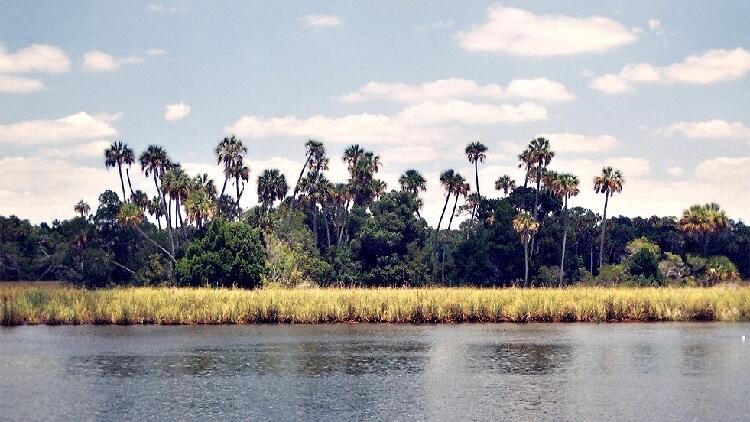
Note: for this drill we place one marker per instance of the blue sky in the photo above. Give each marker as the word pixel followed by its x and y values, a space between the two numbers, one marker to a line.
pixel 660 91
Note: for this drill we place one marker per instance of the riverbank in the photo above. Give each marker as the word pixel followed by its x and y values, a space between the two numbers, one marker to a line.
pixel 56 304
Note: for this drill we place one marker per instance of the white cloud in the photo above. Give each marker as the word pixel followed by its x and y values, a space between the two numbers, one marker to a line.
pixel 463 112
pixel 88 150
pixel 654 25
pixel 99 61
pixel 156 52
pixel 177 111
pixel 321 21
pixel 422 122
pixel 573 142
pixel 76 127
pixel 710 67
pixel 43 58
pixel 64 183
pixel 519 32
pixel 709 129
pixel 541 89
pixel 165 10
pixel 727 170
pixel 675 171
pixel 19 85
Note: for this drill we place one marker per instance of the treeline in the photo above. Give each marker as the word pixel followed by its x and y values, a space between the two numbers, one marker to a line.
pixel 312 231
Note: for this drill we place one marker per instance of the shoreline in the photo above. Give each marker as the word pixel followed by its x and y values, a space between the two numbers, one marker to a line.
pixel 29 304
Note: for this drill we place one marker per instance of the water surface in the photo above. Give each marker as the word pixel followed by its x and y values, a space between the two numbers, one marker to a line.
pixel 679 371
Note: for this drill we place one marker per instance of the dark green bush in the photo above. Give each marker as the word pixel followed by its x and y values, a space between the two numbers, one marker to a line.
pixel 229 254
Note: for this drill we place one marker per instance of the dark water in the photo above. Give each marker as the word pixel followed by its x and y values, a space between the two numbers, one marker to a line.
pixel 377 372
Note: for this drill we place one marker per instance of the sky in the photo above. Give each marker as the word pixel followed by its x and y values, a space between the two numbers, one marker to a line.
pixel 660 91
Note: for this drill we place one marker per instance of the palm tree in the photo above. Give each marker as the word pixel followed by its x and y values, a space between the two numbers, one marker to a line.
pixel 229 151
pixel 609 183
pixel 447 179
pixel 155 209
pixel 272 186
pixel 155 161
pixel 541 155
pixel 241 174
pixel 702 221
pixel 352 154
pixel 525 225
pixel 132 216
pixel 82 208
pixel 565 186
pixel 378 188
pixel 526 159
pixel 115 156
pixel 413 182
pixel 476 153
pixel 460 188
pixel 140 198
pixel 200 207
pixel 505 183
pixel 315 149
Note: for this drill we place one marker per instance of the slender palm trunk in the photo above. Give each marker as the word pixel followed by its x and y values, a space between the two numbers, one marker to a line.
pixel 453 213
pixel 440 222
pixel 479 197
pixel 130 184
pixel 237 188
pixel 122 183
pixel 314 210
pixel 166 212
pixel 301 173
pixel 224 186
pixel 160 247
pixel 328 230
pixel 526 178
pixel 564 241
pixel 526 262
pixel 604 225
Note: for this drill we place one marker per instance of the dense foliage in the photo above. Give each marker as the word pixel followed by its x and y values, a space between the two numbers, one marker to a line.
pixel 359 233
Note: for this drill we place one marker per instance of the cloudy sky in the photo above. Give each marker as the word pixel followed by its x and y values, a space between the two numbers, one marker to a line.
pixel 661 92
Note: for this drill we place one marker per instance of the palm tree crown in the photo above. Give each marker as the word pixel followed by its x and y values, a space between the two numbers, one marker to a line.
pixel 82 208
pixel 272 186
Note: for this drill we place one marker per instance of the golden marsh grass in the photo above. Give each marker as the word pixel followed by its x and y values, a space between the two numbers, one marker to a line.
pixel 27 303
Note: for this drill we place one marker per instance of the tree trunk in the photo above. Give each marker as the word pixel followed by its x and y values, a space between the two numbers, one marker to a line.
pixel 440 222
pixel 224 186
pixel 166 212
pixel 564 241
pixel 328 230
pixel 161 248
pixel 130 184
pixel 237 189
pixel 453 213
pixel 122 183
pixel 526 261
pixel 301 173
pixel 314 210
pixel 604 225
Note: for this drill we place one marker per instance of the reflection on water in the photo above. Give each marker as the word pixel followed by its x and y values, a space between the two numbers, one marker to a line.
pixel 519 358
pixel 376 372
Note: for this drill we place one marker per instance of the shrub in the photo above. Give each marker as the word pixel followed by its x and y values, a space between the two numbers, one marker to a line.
pixel 613 274
pixel 643 243
pixel 673 267
pixel 228 254
pixel 644 263
pixel 548 276
pixel 720 269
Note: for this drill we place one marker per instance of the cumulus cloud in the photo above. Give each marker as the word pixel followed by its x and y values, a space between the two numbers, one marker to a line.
pixel 522 33
pixel 164 10
pixel 321 21
pixel 65 183
pixel 19 85
pixel 675 171
pixel 76 127
pixel 177 111
pixel 99 61
pixel 420 123
pixel 42 58
pixel 540 89
pixel 709 129
pixel 574 142
pixel 710 67
pixel 88 150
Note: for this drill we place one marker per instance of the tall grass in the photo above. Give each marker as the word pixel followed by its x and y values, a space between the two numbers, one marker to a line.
pixel 55 304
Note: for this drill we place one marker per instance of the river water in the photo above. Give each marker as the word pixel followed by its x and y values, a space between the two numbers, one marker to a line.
pixel 679 371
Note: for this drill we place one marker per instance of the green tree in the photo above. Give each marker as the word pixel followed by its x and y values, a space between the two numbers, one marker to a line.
pixel 702 221
pixel 229 254
pixel 525 225
pixel 565 186
pixel 117 155
pixel 505 184
pixel 272 187
pixel 229 151
pixel 476 152
pixel 607 183
pixel 82 208
pixel 155 162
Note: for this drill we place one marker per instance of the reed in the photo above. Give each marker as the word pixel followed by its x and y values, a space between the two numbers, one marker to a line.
pixel 59 304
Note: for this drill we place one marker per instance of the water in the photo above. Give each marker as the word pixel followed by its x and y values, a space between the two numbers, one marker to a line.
pixel 377 372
